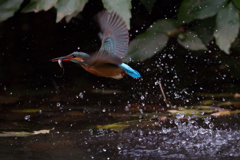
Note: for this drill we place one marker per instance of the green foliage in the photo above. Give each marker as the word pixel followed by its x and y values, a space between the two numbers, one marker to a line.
pixel 121 7
pixel 237 3
pixel 190 40
pixel 209 19
pixel 69 8
pixel 64 8
pixel 39 5
pixel 227 26
pixel 192 9
pixel 204 29
pixel 8 7
pixel 145 45
pixel 198 22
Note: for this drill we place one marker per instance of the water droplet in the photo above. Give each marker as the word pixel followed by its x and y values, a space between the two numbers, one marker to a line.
pixel 104 110
pixel 58 104
pixel 142 97
pixel 81 95
pixel 207 120
pixel 27 117
pixel 211 125
pixel 170 56
pixel 179 115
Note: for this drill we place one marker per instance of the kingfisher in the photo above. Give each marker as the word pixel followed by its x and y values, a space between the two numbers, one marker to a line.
pixel 107 62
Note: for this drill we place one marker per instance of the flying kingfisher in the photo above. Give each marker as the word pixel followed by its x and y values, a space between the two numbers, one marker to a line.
pixel 107 62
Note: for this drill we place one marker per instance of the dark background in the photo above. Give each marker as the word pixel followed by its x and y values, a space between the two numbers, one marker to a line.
pixel 29 40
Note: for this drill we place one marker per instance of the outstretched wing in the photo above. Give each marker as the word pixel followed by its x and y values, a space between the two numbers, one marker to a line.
pixel 114 33
pixel 102 58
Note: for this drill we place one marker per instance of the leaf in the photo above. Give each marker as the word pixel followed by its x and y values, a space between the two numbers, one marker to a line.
pixel 148 4
pixel 43 131
pixel 145 46
pixel 225 112
pixel 8 7
pixel 201 9
pixel 207 102
pixel 227 27
pixel 191 41
pixel 199 111
pixel 27 111
pixel 163 26
pixel 24 134
pixel 121 7
pixel 69 8
pixel 205 28
pixel 114 127
pixel 227 103
pixel 16 134
pixel 39 5
pixel 237 3
pixel 150 42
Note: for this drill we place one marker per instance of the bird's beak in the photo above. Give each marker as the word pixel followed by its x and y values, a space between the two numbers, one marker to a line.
pixel 64 58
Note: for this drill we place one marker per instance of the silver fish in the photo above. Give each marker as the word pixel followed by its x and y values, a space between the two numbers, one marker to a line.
pixel 60 63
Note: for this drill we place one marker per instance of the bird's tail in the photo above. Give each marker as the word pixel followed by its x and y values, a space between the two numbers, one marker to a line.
pixel 131 72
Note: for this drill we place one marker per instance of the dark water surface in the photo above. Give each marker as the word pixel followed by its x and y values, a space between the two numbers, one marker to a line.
pixel 93 124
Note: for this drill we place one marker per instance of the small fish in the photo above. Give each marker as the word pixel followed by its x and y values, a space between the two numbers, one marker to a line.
pixel 60 63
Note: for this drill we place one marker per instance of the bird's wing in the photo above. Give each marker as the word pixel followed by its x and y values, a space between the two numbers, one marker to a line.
pixel 114 33
pixel 101 58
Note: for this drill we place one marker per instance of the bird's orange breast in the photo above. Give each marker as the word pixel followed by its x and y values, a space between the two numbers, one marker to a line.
pixel 104 71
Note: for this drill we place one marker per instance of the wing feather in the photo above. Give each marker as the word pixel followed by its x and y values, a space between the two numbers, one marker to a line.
pixel 101 58
pixel 115 33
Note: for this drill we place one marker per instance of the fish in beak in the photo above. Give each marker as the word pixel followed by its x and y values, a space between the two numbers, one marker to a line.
pixel 63 58
pixel 60 59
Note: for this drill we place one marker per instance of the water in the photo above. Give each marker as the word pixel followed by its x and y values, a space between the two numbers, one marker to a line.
pixel 55 126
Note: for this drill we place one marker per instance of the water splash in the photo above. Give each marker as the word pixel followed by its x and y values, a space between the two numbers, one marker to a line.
pixel 185 139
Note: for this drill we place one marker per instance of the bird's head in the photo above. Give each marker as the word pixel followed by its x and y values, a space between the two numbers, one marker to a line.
pixel 76 57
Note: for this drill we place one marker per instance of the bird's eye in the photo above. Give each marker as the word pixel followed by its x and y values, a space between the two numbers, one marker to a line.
pixel 73 56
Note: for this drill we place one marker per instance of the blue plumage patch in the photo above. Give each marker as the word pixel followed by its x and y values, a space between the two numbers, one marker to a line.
pixel 131 72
